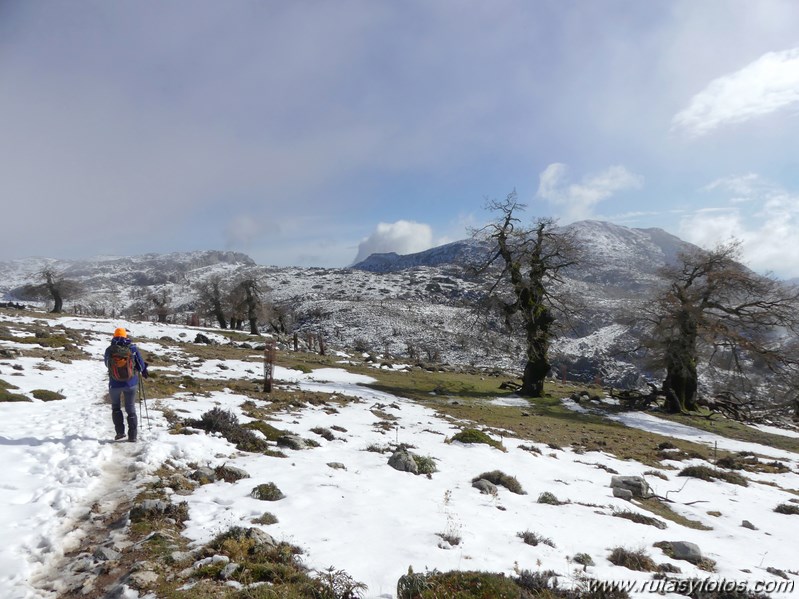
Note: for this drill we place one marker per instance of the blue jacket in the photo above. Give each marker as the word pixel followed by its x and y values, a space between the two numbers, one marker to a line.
pixel 139 365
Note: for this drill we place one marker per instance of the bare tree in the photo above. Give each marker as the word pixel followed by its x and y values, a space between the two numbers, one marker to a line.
pixel 527 263
pixel 212 296
pixel 162 301
pixel 54 287
pixel 248 301
pixel 716 314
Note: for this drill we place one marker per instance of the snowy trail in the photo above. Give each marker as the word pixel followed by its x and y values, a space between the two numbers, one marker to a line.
pixel 59 466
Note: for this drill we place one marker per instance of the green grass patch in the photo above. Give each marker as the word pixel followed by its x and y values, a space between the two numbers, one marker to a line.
pixel 472 435
pixel 710 474
pixel 8 396
pixel 46 395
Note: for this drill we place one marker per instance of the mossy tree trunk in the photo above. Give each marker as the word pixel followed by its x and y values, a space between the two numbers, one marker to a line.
pixel 532 258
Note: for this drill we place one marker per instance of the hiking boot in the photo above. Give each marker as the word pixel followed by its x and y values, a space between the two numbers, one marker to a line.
pixel 131 439
pixel 119 436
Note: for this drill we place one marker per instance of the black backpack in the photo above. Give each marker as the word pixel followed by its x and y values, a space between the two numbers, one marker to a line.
pixel 120 363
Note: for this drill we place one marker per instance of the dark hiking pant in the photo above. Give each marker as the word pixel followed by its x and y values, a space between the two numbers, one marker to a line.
pixel 129 393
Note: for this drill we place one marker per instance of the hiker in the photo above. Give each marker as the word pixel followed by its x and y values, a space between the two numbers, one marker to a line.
pixel 124 362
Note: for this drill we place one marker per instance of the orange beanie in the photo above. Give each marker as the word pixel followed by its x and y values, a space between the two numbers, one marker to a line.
pixel 120 332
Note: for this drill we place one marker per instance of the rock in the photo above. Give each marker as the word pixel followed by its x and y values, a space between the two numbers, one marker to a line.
pixel 403 461
pixel 749 525
pixel 143 578
pixel 637 485
pixel 625 494
pixel 683 550
pixel 214 559
pixel 204 475
pixel 106 554
pixel 230 474
pixel 292 441
pixel 200 338
pixel 486 487
pixel 336 466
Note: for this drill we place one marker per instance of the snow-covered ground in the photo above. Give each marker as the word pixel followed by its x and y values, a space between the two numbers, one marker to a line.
pixel 366 518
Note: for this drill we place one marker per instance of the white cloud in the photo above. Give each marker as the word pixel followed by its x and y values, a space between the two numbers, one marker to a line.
pixel 402 237
pixel 242 230
pixel 763 216
pixel 766 85
pixel 578 200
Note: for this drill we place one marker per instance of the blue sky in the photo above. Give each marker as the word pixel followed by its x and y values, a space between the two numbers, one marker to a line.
pixel 310 132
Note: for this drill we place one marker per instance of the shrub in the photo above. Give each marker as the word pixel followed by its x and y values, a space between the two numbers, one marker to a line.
pixel 266 519
pixel 533 538
pixel 425 465
pixel 501 479
pixel 787 508
pixel 324 433
pixel 472 435
pixel 709 474
pixel 227 424
pixel 640 518
pixel 267 492
pixel 549 498
pixel 583 559
pixel 337 584
pixel 632 560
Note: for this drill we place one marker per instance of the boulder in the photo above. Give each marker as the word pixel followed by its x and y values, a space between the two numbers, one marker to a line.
pixel 621 493
pixel 403 461
pixel 204 475
pixel 637 485
pixel 486 487
pixel 683 550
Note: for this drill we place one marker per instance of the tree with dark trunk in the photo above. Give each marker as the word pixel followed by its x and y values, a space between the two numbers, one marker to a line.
pixel 716 314
pixel 162 302
pixel 54 287
pixel 212 297
pixel 527 262
pixel 248 300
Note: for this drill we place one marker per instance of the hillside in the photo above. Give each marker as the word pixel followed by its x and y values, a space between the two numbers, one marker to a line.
pixel 416 306
pixel 349 475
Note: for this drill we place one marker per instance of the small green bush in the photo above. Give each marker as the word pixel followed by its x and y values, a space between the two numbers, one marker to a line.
pixel 267 492
pixel 266 519
pixel 501 479
pixel 533 538
pixel 549 498
pixel 424 464
pixel 472 435
pixel 583 559
pixel 227 424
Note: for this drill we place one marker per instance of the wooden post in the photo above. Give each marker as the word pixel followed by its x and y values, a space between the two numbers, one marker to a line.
pixel 269 365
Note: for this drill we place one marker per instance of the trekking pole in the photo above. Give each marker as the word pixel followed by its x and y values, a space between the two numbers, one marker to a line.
pixel 143 398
